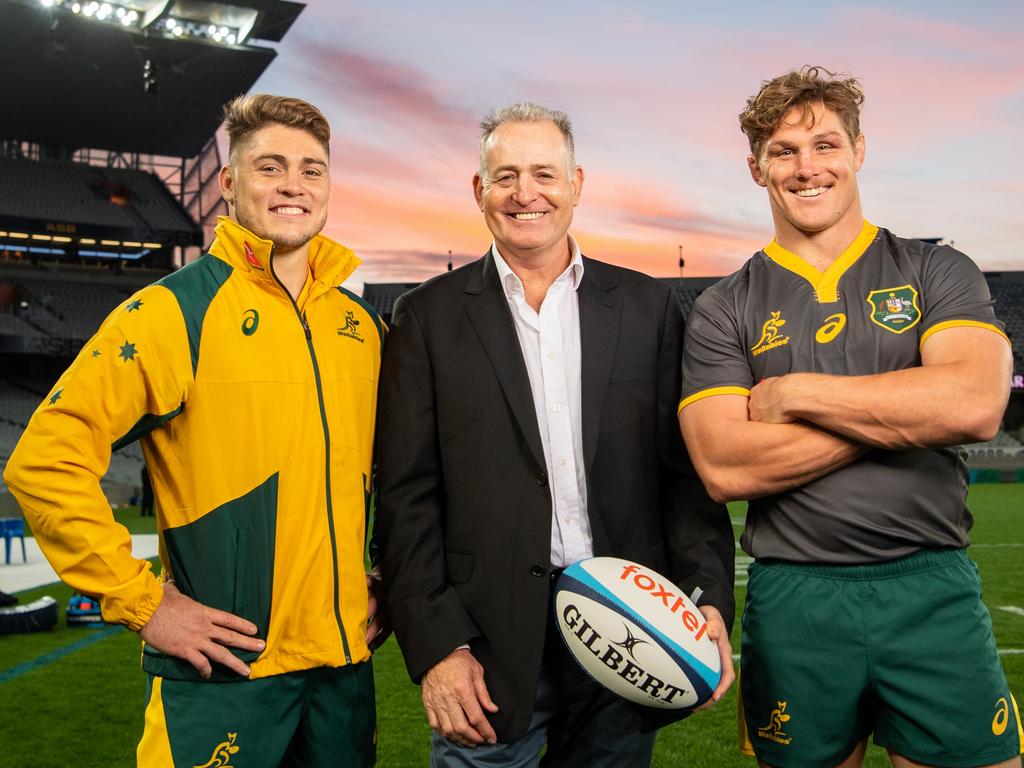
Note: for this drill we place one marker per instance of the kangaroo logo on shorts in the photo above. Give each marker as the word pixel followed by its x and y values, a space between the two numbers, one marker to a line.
pixel 894 309
pixel 775 730
pixel 222 753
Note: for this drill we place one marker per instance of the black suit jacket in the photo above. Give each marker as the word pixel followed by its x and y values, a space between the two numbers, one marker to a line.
pixel 465 512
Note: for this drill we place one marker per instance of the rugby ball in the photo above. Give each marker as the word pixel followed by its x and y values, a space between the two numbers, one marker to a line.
pixel 636 633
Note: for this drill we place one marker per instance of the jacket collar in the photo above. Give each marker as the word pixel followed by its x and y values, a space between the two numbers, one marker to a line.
pixel 329 262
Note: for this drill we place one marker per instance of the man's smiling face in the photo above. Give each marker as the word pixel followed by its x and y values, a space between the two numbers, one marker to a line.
pixel 529 191
pixel 809 166
pixel 277 186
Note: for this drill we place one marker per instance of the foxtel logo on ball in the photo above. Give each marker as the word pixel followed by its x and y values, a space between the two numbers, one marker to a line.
pixel 696 626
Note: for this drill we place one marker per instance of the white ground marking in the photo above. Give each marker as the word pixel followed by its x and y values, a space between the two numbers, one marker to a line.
pixel 1012 609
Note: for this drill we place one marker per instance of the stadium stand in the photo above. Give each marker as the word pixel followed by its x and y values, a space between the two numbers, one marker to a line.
pixel 103 202
pixel 1008 292
pixel 107 186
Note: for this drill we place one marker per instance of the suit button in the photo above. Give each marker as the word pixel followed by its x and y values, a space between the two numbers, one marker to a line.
pixel 538 570
pixel 542 479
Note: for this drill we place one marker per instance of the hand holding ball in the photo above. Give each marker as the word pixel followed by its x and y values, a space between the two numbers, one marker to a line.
pixel 636 633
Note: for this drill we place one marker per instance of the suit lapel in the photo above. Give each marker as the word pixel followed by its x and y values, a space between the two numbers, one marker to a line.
pixel 488 311
pixel 600 309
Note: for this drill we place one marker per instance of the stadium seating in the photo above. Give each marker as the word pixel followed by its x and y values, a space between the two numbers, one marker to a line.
pixel 1009 298
pixel 58 191
pixel 117 199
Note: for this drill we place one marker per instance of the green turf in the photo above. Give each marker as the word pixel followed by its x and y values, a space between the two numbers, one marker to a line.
pixel 85 709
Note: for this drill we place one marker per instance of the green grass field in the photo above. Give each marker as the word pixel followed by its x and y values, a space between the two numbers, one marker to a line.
pixel 74 697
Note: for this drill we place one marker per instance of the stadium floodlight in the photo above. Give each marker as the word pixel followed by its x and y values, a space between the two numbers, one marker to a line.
pixel 124 13
pixel 215 22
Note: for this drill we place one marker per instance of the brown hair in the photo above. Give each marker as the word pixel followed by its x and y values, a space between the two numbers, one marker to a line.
pixel 245 115
pixel 764 113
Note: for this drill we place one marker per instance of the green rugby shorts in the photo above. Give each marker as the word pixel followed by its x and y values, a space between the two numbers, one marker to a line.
pixel 903 650
pixel 314 719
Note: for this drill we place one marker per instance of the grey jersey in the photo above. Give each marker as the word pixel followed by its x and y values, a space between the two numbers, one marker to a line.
pixel 868 313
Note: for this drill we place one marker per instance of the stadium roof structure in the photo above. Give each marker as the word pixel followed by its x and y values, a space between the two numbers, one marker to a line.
pixel 138 76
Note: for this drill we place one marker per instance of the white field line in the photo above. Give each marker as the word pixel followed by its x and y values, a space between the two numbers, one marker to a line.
pixel 1002 652
pixel 1014 609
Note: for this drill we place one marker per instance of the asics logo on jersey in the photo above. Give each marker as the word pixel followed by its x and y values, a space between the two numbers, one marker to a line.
pixel 831 328
pixel 1002 717
pixel 251 322
pixel 770 336
pixel 221 757
pixel 775 730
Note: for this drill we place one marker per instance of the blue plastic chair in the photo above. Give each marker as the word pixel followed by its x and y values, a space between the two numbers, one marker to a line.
pixel 11 527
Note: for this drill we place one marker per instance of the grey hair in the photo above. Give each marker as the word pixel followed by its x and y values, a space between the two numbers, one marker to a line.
pixel 525 112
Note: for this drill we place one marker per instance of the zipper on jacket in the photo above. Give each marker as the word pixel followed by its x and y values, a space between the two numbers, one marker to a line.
pixel 327 455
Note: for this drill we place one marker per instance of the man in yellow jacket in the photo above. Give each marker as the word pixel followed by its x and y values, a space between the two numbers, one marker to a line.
pixel 250 377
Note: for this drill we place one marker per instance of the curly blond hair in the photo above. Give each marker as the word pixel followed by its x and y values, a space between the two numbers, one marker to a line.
pixel 841 93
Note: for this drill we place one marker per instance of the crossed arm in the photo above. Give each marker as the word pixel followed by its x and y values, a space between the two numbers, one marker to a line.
pixel 802 426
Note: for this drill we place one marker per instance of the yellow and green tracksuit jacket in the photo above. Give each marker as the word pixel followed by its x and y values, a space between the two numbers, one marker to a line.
pixel 256 415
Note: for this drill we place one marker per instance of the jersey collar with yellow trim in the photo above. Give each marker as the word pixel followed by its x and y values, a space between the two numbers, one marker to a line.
pixel 329 262
pixel 825 284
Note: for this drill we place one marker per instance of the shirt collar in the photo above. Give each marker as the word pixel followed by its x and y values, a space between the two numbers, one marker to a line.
pixel 329 262
pixel 510 281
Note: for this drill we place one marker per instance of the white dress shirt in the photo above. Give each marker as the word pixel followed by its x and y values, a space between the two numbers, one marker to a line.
pixel 550 342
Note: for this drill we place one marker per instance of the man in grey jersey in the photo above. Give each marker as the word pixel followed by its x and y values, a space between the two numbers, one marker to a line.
pixel 829 382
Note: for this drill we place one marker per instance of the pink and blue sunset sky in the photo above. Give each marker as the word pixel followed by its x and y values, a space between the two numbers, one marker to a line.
pixel 653 89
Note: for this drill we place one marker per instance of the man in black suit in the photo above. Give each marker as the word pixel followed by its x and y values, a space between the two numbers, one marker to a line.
pixel 527 421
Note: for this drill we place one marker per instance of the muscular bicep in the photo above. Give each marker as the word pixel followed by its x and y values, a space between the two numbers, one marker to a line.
pixel 709 425
pixel 981 364
pixel 741 459
pixel 979 348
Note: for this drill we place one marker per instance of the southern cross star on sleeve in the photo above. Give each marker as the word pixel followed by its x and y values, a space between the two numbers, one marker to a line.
pixel 127 352
pixel 133 305
pixel 56 396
